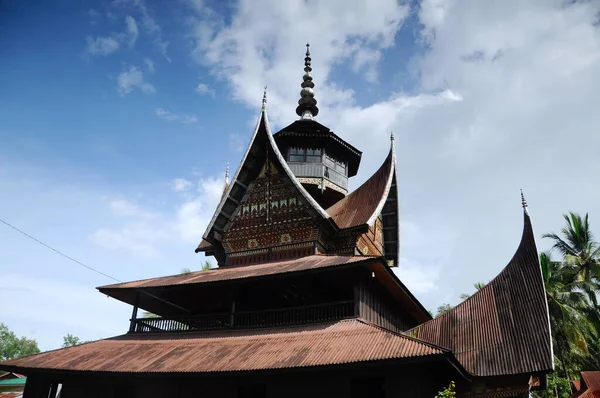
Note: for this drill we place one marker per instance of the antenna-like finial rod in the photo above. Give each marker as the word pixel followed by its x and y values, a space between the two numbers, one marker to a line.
pixel 227 173
pixel 523 201
pixel 391 135
pixel 307 104
pixel 264 100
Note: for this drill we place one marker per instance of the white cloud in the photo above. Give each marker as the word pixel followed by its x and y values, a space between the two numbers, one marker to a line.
pixel 101 45
pixel 497 99
pixel 140 238
pixel 94 15
pixel 133 78
pixel 237 142
pixel 194 215
pixel 127 208
pixel 148 24
pixel 181 184
pixel 149 65
pixel 132 30
pixel 204 89
pixel 169 116
pixel 37 316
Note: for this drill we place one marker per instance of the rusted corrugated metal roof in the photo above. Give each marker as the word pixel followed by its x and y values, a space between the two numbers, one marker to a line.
pixel 242 272
pixel 503 328
pixel 588 386
pixel 11 394
pixel 367 200
pixel 502 393
pixel 335 343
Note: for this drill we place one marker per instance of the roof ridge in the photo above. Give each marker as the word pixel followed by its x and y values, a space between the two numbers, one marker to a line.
pixel 401 334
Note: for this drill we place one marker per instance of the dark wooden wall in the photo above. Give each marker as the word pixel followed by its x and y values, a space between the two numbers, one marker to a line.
pixel 376 306
pixel 415 380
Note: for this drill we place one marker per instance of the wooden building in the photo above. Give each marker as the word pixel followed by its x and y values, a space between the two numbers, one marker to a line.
pixel 305 301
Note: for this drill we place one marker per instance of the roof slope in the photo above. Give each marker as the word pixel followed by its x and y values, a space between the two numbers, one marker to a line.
pixel 365 203
pixel 242 272
pixel 334 343
pixel 504 328
pixel 588 386
pixel 261 145
pixel 376 196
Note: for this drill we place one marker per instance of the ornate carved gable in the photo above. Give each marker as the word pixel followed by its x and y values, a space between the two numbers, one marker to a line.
pixel 261 150
pixel 272 222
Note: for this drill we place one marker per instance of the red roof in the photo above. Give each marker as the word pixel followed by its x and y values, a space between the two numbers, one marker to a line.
pixel 588 386
pixel 503 328
pixel 366 202
pixel 335 343
pixel 243 272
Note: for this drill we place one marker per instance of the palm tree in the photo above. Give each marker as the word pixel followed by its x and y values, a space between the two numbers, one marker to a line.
pixel 477 285
pixel 579 249
pixel 573 319
pixel 206 265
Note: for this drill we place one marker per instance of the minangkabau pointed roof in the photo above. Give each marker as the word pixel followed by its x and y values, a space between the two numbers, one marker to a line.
pixel 378 196
pixel 262 144
pixel 504 328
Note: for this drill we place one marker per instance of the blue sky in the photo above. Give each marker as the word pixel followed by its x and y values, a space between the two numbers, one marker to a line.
pixel 118 118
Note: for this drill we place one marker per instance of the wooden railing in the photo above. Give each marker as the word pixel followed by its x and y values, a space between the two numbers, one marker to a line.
pixel 247 319
pixel 319 170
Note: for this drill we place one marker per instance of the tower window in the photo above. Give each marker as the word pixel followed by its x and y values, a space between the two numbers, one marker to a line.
pixel 340 166
pixel 329 162
pixel 313 155
pixel 297 154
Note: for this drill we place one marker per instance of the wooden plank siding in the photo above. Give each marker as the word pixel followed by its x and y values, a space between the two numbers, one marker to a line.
pixel 374 305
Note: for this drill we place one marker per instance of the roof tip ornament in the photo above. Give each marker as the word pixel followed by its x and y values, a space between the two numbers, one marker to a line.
pixel 307 104
pixel 227 173
pixel 391 136
pixel 524 202
pixel 264 100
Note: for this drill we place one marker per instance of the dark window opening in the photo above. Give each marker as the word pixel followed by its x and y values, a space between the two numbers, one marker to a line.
pixel 252 391
pixel 368 387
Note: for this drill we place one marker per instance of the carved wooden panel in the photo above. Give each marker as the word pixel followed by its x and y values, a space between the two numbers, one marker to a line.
pixel 272 216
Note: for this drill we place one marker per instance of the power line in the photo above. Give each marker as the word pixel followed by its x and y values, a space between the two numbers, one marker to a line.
pixel 57 251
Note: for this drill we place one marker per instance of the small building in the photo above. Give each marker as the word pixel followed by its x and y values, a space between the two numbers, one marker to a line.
pixel 588 386
pixel 12 385
pixel 305 301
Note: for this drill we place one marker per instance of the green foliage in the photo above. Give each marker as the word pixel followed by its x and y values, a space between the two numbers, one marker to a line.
pixel 572 287
pixel 477 285
pixel 558 387
pixel 185 271
pixel 206 265
pixel 69 341
pixel 12 346
pixel 442 309
pixel 448 392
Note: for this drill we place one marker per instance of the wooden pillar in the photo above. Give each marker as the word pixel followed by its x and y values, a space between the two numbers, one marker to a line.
pixel 53 390
pixel 134 313
pixel 232 320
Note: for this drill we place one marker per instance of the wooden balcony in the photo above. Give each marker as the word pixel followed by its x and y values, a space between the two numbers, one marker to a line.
pixel 319 170
pixel 247 320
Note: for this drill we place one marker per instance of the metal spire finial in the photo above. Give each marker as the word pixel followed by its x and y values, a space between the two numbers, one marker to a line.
pixel 264 101
pixel 307 105
pixel 227 173
pixel 392 135
pixel 523 201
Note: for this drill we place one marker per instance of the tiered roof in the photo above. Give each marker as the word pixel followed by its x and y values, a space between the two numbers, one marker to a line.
pixel 326 344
